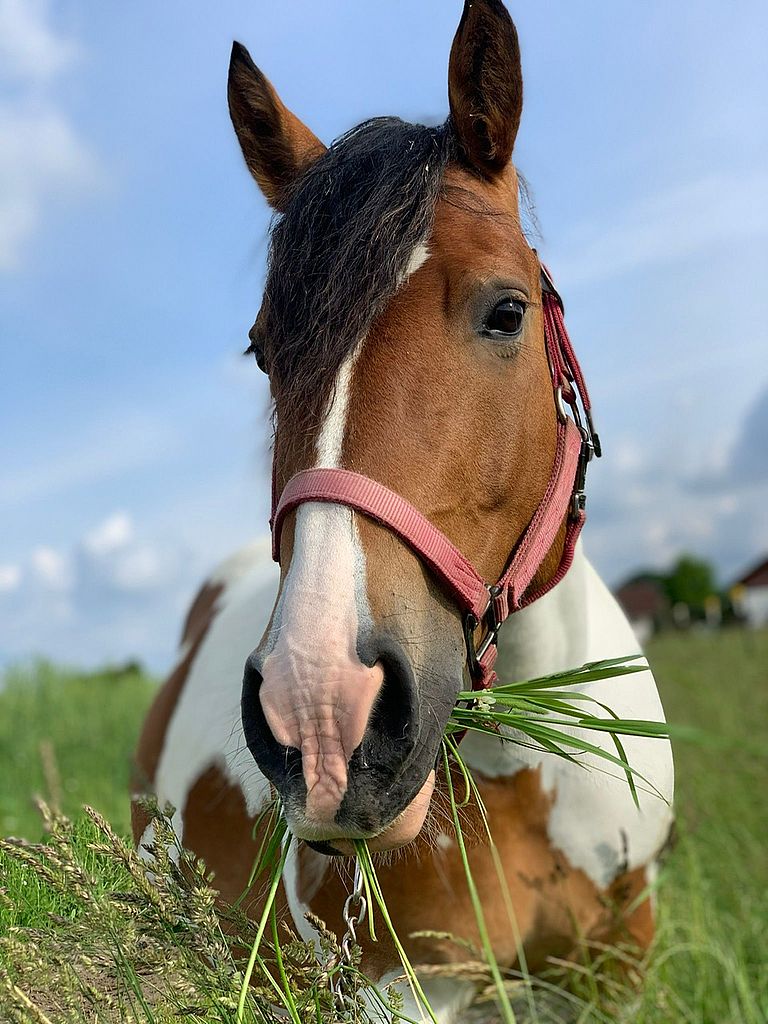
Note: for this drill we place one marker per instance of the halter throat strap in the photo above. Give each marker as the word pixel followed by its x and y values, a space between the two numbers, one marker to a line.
pixel 481 603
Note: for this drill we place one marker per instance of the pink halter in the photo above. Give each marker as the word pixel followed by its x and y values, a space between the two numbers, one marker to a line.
pixel 563 500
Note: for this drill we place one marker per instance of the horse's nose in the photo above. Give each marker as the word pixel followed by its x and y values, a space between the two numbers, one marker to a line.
pixel 333 736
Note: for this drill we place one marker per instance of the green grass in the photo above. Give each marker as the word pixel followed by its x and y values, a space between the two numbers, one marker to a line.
pixel 709 963
pixel 69 737
pixel 712 956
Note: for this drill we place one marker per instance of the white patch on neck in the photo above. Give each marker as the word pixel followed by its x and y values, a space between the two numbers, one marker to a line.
pixel 419 257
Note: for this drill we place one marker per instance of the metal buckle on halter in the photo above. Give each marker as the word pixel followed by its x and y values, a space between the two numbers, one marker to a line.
pixel 548 285
pixel 492 623
pixel 590 447
pixel 579 496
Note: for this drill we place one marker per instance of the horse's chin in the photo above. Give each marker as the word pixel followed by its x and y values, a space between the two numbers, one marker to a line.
pixel 400 832
pixel 408 823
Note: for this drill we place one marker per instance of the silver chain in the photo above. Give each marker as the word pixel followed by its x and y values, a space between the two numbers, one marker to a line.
pixel 355 909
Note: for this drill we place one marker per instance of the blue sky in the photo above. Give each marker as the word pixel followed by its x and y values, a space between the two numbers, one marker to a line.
pixel 132 241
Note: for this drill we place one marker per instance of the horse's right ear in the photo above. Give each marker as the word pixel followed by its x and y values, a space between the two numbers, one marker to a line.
pixel 276 145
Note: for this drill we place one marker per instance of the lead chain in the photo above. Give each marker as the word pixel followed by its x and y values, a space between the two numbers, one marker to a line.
pixel 355 908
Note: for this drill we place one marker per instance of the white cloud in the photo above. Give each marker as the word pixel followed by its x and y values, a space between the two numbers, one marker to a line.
pixel 667 226
pixel 141 569
pixel 10 578
pixel 111 535
pixel 29 48
pixel 644 511
pixel 116 592
pixel 51 569
pixel 42 157
pixel 111 559
pixel 108 564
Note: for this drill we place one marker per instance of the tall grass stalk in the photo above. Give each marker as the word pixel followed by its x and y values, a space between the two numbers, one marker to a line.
pixel 286 987
pixel 369 872
pixel 276 875
pixel 485 940
pixel 471 790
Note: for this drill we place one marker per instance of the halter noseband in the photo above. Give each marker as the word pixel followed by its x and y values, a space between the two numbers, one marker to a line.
pixel 564 500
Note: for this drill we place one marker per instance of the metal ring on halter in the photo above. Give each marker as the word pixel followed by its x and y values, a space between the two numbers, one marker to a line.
pixel 562 415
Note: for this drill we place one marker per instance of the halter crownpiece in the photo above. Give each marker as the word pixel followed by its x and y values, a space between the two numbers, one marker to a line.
pixel 481 603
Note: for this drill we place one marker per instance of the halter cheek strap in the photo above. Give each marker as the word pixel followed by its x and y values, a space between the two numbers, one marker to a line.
pixel 563 502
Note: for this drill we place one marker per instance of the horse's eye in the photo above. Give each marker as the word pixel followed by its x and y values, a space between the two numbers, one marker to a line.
pixel 256 348
pixel 506 318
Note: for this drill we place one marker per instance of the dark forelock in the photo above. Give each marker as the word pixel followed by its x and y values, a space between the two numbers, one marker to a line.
pixel 339 252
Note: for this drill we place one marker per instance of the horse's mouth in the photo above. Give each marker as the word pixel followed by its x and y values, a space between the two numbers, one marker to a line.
pixel 323 846
pixel 403 830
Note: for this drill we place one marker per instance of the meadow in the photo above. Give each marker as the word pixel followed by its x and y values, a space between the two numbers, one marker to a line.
pixel 68 738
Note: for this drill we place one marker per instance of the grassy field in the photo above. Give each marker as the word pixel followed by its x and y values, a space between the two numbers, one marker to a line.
pixel 69 739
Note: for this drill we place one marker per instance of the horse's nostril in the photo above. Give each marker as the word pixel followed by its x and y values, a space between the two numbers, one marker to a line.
pixel 277 762
pixel 393 720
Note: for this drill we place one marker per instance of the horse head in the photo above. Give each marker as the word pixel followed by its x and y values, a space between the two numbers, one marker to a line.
pixel 402 330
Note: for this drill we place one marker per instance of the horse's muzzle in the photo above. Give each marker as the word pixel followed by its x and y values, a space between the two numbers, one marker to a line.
pixel 330 789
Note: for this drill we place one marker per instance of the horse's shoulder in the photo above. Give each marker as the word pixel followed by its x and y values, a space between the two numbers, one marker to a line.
pixel 224 578
pixel 208 670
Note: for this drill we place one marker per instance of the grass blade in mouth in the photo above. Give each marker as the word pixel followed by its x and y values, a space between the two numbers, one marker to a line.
pixel 270 846
pixel 506 1007
pixel 545 711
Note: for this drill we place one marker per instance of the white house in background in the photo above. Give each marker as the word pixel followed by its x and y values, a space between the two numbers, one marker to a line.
pixel 750 595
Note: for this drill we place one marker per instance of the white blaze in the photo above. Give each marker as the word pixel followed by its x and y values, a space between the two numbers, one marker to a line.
pixel 316 693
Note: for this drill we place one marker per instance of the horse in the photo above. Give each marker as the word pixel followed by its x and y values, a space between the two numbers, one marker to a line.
pixel 404 328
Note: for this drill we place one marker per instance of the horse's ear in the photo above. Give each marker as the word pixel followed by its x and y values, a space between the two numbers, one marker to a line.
pixel 485 85
pixel 276 145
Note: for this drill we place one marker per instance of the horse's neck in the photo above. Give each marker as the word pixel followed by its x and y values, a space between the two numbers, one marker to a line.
pixel 577 621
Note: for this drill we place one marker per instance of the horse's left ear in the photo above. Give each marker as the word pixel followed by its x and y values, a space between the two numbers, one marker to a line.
pixel 485 85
